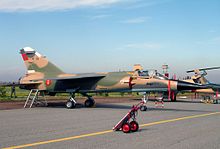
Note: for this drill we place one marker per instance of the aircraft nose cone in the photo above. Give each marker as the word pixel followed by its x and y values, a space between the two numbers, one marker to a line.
pixel 181 85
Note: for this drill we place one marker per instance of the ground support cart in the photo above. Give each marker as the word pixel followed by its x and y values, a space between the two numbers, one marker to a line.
pixel 128 123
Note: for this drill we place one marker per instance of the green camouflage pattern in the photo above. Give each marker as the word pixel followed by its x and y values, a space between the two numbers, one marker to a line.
pixel 45 76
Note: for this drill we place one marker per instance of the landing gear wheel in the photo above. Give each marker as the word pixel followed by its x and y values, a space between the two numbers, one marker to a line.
pixel 89 103
pixel 70 104
pixel 134 126
pixel 143 108
pixel 126 128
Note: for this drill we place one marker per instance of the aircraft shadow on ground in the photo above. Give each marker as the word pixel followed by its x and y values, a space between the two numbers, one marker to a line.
pixel 98 105
pixel 61 105
pixel 113 106
pixel 120 106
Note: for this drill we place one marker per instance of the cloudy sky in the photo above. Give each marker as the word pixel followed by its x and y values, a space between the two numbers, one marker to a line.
pixel 110 35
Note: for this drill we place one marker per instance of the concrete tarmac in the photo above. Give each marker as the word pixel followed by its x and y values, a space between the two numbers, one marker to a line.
pixel 180 125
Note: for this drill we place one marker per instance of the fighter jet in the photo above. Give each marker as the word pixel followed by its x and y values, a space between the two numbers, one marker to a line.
pixel 44 76
pixel 199 77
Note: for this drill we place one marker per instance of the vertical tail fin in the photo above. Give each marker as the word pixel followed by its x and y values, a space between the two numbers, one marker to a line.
pixel 35 62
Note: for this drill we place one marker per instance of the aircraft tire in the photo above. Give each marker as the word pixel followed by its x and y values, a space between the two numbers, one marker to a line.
pixel 89 103
pixel 126 127
pixel 70 104
pixel 143 108
pixel 134 126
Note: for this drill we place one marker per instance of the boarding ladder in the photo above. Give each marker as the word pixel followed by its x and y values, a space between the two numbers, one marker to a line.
pixel 33 98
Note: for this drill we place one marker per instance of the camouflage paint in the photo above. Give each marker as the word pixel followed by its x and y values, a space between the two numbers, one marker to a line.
pixel 112 78
pixel 46 76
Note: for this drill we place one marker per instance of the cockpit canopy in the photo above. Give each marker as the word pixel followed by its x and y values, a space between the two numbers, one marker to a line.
pixel 147 74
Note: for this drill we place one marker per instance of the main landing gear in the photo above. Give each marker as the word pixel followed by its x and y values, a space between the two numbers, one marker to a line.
pixel 128 123
pixel 90 102
pixel 71 103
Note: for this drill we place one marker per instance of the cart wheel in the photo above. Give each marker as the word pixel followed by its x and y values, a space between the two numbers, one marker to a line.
pixel 126 128
pixel 134 126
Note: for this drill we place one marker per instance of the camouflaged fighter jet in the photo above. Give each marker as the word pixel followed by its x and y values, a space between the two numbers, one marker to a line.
pixel 48 78
pixel 199 77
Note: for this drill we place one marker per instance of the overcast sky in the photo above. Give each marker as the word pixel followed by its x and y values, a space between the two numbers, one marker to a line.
pixel 110 35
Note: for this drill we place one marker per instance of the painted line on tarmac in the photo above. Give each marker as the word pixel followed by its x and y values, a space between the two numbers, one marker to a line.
pixel 179 119
pixel 108 131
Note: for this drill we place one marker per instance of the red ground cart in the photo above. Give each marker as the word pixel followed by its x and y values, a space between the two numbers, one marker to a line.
pixel 128 123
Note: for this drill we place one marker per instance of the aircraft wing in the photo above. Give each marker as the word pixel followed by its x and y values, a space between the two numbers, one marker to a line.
pixel 80 76
pixel 80 82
